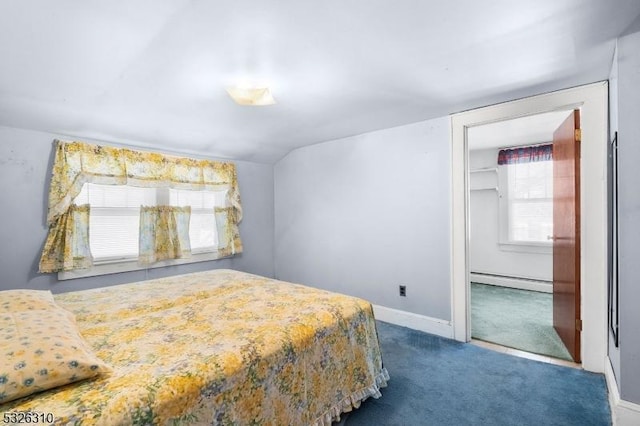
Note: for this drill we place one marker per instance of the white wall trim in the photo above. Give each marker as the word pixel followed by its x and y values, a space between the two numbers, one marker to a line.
pixel 623 413
pixel 513 282
pixel 414 321
pixel 592 99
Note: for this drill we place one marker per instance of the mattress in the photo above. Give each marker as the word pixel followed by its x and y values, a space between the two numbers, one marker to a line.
pixel 218 347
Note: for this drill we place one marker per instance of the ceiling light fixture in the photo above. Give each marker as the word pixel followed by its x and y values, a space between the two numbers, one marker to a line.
pixel 253 96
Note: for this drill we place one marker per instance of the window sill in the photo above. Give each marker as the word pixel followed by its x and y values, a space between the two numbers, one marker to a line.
pixel 530 247
pixel 116 266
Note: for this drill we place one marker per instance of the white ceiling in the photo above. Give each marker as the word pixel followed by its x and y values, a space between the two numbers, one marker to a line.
pixel 154 72
pixel 529 130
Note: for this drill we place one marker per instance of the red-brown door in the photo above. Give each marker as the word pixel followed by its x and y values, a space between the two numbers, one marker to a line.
pixel 566 233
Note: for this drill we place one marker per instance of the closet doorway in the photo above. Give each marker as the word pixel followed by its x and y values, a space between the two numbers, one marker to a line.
pixel 515 252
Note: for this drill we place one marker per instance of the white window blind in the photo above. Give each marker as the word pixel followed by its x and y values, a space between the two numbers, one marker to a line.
pixel 530 201
pixel 115 218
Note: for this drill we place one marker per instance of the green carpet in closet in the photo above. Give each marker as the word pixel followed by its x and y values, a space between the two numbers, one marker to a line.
pixel 519 319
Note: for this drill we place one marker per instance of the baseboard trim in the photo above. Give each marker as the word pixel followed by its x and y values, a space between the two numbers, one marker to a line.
pixel 623 413
pixel 513 282
pixel 414 321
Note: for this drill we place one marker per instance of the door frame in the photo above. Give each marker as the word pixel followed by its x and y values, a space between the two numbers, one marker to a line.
pixel 592 100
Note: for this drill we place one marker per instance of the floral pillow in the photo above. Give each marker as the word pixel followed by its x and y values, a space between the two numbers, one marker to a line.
pixel 42 349
pixel 26 300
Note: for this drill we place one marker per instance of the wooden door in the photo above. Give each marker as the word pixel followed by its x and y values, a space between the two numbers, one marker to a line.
pixel 566 233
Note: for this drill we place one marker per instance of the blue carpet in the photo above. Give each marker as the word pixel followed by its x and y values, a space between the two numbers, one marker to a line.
pixel 437 381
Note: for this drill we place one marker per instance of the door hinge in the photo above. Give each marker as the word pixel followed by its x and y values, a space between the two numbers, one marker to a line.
pixel 578 135
pixel 579 325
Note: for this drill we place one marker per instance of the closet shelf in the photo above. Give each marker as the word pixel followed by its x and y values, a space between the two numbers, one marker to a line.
pixel 484 189
pixel 484 170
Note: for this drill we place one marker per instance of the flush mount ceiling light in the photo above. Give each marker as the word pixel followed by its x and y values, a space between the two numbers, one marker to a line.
pixel 253 96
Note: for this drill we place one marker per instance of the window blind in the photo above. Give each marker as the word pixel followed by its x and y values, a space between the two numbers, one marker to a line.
pixel 114 218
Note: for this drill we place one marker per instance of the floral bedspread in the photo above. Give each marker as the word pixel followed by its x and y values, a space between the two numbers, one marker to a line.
pixel 219 347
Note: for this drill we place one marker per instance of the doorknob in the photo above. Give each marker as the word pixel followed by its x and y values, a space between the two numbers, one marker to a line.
pixel 554 238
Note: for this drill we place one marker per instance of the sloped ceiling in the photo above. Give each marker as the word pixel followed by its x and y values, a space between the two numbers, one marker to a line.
pixel 154 72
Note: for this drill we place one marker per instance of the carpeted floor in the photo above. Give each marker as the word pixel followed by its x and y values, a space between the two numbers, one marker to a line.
pixel 441 382
pixel 519 319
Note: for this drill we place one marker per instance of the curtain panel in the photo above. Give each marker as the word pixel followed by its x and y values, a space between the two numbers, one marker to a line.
pixel 525 154
pixel 77 163
pixel 67 244
pixel 229 242
pixel 164 233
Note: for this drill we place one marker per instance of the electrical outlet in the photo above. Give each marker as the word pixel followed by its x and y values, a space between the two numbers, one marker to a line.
pixel 403 290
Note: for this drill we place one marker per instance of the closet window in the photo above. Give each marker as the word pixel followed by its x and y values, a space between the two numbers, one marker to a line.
pixel 525 177
pixel 530 201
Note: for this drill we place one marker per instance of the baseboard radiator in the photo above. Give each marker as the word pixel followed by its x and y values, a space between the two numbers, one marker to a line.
pixel 513 282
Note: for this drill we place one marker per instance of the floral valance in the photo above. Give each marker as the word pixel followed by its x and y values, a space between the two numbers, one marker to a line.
pixel 525 154
pixel 77 163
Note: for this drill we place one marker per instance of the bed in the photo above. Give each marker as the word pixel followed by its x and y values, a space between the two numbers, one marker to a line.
pixel 217 347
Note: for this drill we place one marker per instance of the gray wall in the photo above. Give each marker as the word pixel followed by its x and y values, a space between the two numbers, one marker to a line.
pixel 628 114
pixel 362 215
pixel 25 169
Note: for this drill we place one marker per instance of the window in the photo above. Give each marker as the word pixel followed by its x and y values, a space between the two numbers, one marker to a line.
pixel 140 210
pixel 202 226
pixel 115 217
pixel 525 176
pixel 530 201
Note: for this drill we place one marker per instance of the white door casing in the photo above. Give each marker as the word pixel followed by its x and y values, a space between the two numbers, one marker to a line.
pixel 592 100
